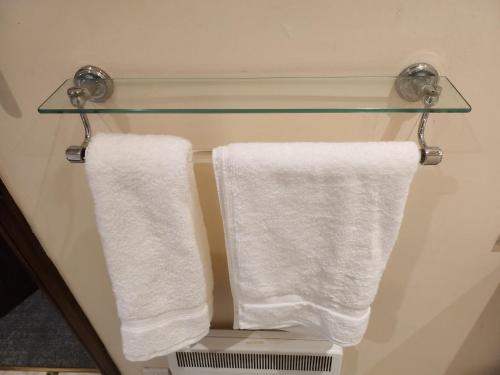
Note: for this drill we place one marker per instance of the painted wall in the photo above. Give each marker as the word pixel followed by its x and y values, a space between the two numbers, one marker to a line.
pixel 438 310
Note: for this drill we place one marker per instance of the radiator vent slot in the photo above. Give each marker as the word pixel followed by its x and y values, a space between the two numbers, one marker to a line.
pixel 224 360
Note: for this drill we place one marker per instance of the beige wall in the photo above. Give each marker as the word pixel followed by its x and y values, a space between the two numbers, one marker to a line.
pixel 438 310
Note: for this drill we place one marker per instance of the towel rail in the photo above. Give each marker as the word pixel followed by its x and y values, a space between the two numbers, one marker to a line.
pixel 416 83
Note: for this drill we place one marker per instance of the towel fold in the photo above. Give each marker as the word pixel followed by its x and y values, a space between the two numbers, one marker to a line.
pixel 154 240
pixel 309 228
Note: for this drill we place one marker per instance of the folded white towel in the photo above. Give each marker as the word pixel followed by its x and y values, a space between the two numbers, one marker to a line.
pixel 154 240
pixel 309 228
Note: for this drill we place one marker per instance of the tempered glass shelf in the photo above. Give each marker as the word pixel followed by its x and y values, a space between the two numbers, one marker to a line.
pixel 255 95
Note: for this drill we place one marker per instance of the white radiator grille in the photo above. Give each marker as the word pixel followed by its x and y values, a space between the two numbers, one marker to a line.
pixel 290 362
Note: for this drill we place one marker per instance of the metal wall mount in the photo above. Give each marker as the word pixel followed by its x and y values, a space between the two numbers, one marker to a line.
pixel 420 81
pixel 417 82
pixel 90 84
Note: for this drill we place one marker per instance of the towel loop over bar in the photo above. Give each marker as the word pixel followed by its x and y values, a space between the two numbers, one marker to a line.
pixel 416 82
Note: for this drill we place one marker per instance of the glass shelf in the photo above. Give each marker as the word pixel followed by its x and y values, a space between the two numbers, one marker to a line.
pixel 255 95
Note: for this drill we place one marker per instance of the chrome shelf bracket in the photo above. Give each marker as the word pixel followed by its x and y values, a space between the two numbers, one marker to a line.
pixel 90 84
pixel 429 155
pixel 416 82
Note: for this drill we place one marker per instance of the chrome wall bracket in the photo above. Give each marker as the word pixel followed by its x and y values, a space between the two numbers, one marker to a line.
pixel 74 153
pixel 90 84
pixel 416 82
pixel 429 155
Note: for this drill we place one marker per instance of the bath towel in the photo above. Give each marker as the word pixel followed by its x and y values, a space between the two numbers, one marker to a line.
pixel 154 241
pixel 309 228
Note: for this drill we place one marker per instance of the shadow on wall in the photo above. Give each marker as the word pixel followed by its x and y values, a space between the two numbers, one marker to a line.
pixel 223 303
pixel 480 345
pixel 423 199
pixel 7 100
pixel 418 352
pixel 350 360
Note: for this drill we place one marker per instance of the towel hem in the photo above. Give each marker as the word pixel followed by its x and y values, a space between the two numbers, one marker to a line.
pixel 165 337
pixel 339 328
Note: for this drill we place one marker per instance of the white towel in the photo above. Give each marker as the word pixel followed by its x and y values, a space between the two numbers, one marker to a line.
pixel 309 228
pixel 154 240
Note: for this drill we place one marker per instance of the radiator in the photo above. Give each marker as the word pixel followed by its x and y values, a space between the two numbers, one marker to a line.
pixel 257 352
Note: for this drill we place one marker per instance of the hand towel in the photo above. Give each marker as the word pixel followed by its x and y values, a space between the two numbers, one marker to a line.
pixel 154 241
pixel 309 228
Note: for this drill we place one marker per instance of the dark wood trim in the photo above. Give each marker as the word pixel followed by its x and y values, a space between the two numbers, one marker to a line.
pixel 16 284
pixel 16 232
